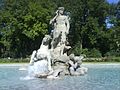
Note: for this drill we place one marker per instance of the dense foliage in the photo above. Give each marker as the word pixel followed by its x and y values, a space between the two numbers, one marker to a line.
pixel 23 24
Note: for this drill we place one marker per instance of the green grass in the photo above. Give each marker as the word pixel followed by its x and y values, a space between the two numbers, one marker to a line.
pixel 101 62
pixel 27 60
pixel 5 60
pixel 105 59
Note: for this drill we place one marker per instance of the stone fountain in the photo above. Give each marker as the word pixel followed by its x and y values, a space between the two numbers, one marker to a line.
pixel 51 59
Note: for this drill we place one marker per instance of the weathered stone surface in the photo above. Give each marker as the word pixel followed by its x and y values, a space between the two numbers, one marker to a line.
pixel 53 62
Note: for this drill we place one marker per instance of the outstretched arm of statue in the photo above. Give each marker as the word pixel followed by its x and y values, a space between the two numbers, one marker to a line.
pixel 53 20
pixel 67 25
pixel 33 58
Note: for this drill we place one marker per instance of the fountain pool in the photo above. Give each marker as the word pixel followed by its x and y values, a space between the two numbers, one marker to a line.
pixel 99 77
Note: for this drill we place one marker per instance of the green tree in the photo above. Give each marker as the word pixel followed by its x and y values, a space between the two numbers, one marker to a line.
pixel 115 31
pixel 23 25
pixel 88 26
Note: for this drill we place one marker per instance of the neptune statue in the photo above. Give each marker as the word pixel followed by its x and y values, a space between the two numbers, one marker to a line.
pixel 51 60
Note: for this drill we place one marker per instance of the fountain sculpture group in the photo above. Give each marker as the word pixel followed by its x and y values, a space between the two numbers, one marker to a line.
pixel 51 59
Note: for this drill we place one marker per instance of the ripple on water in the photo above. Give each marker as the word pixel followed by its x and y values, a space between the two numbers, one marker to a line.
pixel 99 77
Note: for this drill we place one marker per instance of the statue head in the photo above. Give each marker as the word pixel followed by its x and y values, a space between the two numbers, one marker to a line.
pixel 46 40
pixel 61 10
pixel 71 56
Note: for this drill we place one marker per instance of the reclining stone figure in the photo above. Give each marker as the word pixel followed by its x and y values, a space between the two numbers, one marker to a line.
pixel 74 65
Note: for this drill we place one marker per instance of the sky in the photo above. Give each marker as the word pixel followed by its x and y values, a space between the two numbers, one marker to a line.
pixel 113 1
pixel 109 25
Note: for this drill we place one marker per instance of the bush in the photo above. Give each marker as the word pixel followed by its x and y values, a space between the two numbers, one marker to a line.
pixel 93 53
pixel 77 51
pixel 113 53
pixel 89 53
pixel 112 59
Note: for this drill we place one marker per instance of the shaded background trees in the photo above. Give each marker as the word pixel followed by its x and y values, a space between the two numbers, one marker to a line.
pixel 88 27
pixel 24 23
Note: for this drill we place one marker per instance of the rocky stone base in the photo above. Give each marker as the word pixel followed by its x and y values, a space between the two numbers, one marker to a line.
pixel 70 65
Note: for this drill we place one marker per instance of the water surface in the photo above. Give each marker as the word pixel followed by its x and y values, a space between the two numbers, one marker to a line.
pixel 99 77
